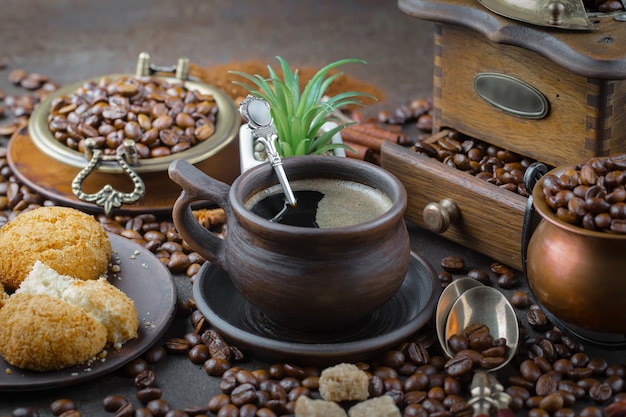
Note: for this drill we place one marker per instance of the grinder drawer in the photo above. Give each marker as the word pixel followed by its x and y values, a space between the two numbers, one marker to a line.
pixel 584 116
pixel 490 219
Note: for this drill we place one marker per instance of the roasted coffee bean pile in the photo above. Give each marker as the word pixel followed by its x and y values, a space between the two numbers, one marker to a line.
pixel 418 111
pixel 452 264
pixel 473 348
pixel 591 195
pixel 487 162
pixel 161 117
pixel 161 237
pixel 21 106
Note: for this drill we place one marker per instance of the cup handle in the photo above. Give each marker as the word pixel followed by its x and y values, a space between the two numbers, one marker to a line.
pixel 198 186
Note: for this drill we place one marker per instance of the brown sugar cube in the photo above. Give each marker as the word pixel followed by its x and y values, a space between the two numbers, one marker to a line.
pixel 343 382
pixel 383 406
pixel 307 407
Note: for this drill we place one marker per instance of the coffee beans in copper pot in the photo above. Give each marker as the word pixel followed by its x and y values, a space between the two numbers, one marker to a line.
pixel 162 117
pixel 591 194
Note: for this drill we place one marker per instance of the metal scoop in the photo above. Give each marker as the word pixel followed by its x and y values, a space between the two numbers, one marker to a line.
pixel 463 303
pixel 448 297
pixel 257 112
pixel 485 305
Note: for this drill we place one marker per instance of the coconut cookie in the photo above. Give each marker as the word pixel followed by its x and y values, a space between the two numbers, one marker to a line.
pixel 42 333
pixel 65 239
pixel 98 298
pixel 3 295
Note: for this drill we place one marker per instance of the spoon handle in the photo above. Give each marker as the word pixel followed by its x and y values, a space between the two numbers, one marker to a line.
pixel 277 163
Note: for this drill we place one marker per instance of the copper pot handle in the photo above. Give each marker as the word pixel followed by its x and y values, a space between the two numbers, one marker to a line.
pixel 534 172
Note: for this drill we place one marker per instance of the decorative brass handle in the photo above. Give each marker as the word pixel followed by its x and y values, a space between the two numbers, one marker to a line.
pixel 439 216
pixel 108 197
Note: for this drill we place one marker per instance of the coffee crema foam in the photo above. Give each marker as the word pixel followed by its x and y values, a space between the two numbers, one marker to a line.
pixel 345 203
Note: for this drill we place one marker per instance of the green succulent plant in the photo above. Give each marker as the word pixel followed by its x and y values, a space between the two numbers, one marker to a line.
pixel 299 115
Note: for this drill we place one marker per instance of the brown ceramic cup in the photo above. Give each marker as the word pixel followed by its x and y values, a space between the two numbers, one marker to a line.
pixel 302 278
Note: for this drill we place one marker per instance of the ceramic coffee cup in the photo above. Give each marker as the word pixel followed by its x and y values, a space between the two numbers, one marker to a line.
pixel 305 278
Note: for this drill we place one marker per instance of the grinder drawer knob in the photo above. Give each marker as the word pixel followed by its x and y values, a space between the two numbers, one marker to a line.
pixel 439 216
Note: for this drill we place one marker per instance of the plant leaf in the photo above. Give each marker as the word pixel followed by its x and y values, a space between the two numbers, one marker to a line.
pixel 299 116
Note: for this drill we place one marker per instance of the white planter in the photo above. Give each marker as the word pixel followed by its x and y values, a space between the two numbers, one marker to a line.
pixel 246 146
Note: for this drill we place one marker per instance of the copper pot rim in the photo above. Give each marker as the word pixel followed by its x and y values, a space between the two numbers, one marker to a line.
pixel 540 204
pixel 226 128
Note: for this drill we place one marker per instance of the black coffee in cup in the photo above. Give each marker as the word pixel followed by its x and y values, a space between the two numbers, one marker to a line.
pixel 323 203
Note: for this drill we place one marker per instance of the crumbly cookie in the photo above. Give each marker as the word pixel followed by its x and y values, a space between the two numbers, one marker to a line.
pixel 42 333
pixel 98 298
pixel 107 304
pixel 344 382
pixel 65 239
pixel 3 295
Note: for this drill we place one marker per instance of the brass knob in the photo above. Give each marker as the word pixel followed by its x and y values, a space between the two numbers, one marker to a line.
pixel 556 9
pixel 439 216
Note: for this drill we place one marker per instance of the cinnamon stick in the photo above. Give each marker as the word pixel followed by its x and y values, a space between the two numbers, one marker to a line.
pixel 361 152
pixel 376 131
pixel 354 136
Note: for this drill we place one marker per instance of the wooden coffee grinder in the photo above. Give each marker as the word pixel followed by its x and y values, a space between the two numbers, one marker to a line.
pixel 543 78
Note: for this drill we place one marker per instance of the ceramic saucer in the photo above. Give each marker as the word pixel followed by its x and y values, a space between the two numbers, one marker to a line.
pixel 249 329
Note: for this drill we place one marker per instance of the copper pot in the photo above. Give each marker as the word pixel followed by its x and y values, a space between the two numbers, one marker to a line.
pixel 578 275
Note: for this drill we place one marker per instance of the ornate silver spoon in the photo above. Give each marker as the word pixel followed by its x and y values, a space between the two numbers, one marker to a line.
pixel 257 112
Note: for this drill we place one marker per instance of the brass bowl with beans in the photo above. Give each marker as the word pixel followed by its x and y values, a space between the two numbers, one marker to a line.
pixel 575 255
pixel 165 117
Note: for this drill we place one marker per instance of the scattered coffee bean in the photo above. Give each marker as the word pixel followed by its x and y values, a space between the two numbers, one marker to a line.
pixel 537 318
pixel 453 264
pixel 520 299
pixel 145 395
pixel 24 412
pixel 479 275
pixel 62 405
pixel 113 402
pixel 155 354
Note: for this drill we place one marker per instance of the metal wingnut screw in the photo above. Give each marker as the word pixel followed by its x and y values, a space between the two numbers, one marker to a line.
pixel 481 400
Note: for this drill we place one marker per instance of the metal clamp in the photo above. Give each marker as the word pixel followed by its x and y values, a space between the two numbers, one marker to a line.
pixel 145 67
pixel 108 197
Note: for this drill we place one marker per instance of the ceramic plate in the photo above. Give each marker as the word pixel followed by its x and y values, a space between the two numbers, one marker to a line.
pixel 145 280
pixel 247 328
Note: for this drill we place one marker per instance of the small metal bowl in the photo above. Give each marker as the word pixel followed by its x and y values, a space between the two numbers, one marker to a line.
pixel 226 128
